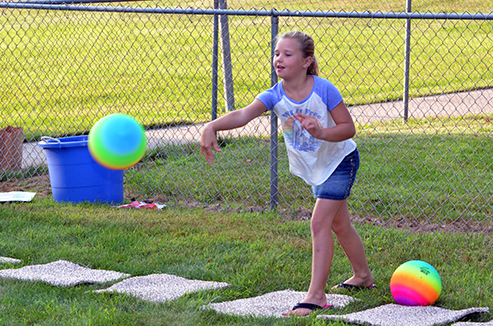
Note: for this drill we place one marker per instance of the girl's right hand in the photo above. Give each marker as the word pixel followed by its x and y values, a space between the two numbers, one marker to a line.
pixel 232 120
pixel 208 141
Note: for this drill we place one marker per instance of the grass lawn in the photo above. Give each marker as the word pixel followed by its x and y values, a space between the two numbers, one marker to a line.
pixel 255 253
pixel 61 71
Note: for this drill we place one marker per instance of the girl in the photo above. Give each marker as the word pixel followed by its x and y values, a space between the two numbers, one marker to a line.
pixel 317 128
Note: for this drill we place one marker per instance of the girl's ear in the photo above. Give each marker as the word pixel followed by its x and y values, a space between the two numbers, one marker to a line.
pixel 308 62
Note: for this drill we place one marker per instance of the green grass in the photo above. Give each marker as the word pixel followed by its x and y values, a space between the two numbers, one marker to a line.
pixel 62 71
pixel 255 253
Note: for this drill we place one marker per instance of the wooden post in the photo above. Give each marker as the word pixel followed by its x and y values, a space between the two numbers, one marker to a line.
pixel 11 148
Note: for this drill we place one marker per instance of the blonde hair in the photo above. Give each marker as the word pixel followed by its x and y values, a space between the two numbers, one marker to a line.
pixel 307 47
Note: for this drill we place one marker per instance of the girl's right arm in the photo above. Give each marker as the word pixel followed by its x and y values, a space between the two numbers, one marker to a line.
pixel 232 120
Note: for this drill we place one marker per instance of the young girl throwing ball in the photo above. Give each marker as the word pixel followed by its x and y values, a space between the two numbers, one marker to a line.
pixel 317 128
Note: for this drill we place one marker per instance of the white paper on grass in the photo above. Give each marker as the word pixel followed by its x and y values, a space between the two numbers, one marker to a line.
pixel 16 196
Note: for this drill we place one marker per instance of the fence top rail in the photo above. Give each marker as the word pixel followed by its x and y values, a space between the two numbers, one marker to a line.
pixel 71 6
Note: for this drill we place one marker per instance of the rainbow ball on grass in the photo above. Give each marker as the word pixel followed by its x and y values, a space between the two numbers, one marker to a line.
pixel 415 283
pixel 117 141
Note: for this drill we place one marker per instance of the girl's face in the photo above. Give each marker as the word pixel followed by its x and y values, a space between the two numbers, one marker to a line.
pixel 288 59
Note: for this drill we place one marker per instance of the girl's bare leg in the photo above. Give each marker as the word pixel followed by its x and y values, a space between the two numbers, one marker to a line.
pixel 328 216
pixel 323 215
pixel 351 242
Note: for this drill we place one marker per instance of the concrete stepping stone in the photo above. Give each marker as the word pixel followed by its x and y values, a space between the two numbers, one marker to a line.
pixel 161 287
pixel 272 304
pixel 62 273
pixel 6 260
pixel 394 314
pixel 470 323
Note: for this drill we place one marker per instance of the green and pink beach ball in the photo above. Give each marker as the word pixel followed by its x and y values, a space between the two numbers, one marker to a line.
pixel 415 283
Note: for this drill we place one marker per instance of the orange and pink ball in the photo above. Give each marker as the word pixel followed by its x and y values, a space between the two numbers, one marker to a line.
pixel 117 141
pixel 415 283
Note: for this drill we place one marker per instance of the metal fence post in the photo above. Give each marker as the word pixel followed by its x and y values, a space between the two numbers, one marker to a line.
pixel 406 62
pixel 215 51
pixel 274 190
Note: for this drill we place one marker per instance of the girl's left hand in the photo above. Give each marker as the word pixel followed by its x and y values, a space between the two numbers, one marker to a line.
pixel 311 124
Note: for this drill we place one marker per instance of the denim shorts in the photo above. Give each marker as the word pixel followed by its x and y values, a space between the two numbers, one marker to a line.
pixel 338 185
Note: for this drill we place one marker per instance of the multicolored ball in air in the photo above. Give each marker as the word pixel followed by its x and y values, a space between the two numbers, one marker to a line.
pixel 415 283
pixel 117 141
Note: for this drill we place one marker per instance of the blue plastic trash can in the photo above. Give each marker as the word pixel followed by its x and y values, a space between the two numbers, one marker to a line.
pixel 74 175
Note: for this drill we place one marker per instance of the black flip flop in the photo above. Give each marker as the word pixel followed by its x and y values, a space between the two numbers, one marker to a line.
pixel 346 286
pixel 310 306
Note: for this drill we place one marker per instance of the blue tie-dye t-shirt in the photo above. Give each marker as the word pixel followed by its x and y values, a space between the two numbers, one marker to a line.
pixel 312 159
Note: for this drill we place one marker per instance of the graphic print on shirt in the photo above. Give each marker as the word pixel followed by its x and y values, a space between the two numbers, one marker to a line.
pixel 299 138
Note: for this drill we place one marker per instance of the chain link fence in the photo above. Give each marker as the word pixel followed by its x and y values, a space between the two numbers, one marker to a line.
pixel 417 78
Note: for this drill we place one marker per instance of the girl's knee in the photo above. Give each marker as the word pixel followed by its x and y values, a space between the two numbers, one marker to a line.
pixel 316 226
pixel 320 225
pixel 341 227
